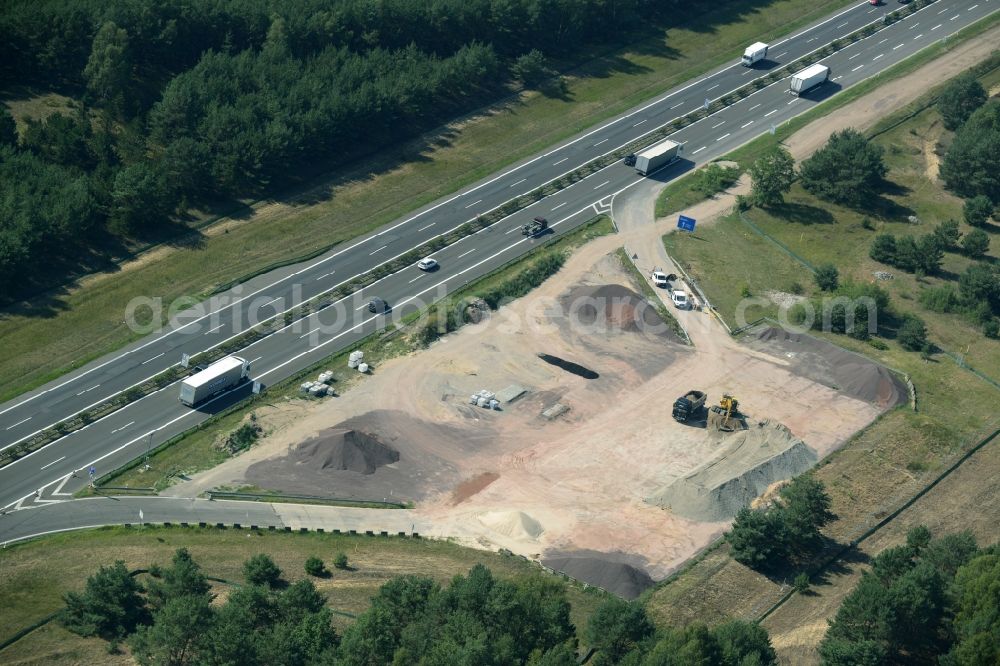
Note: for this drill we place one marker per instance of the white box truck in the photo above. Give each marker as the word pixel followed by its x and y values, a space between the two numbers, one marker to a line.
pixel 221 375
pixel 809 78
pixel 754 53
pixel 656 156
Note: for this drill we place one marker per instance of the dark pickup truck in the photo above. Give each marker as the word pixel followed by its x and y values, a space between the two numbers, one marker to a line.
pixel 535 227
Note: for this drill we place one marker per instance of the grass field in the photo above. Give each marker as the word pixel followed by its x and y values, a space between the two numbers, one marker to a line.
pixel 194 451
pixel 53 335
pixel 35 575
pixel 897 455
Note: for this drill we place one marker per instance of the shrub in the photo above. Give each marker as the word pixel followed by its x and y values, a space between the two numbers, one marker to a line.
pixel 340 561
pixel 878 344
pixel 948 234
pixel 314 566
pixel 883 249
pixel 976 243
pixel 714 178
pixel 827 277
pixel 991 329
pixel 801 583
pixel 977 210
pixel 261 570
pixel 912 333
pixel 940 299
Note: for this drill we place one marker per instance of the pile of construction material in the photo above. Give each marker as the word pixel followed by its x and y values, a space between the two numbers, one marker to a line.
pixel 485 399
pixel 320 387
pixel 356 361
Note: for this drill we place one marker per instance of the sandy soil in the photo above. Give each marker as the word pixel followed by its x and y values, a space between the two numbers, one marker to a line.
pixel 574 484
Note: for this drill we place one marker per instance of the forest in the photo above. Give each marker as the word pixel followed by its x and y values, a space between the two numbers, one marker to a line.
pixel 175 102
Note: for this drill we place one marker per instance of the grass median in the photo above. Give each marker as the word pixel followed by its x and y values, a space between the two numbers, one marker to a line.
pixel 45 339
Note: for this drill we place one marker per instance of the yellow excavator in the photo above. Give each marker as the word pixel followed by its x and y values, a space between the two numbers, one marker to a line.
pixel 725 416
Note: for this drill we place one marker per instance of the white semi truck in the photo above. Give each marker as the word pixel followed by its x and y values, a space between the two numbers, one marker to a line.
pixel 754 53
pixel 656 156
pixel 219 376
pixel 809 78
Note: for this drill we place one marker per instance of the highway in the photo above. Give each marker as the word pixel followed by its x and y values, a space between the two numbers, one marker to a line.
pixel 127 433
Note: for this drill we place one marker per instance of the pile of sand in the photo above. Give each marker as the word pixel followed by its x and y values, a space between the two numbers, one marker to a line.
pixel 344 449
pixel 611 307
pixel 834 366
pixel 618 578
pixel 513 524
pixel 746 464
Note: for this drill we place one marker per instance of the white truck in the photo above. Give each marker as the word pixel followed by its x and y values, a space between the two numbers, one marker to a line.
pixel 754 53
pixel 656 156
pixel 809 78
pixel 219 376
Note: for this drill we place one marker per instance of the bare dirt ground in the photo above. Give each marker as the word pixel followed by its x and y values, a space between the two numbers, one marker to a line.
pixel 571 487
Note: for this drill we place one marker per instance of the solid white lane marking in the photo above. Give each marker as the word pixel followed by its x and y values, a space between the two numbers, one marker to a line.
pixel 770 112
pixel 555 208
pixel 723 137
pixel 123 427
pixel 523 180
pixel 427 226
pixel 474 203
pixel 378 250
pixel 465 253
pixel 211 330
pixel 599 142
pixel 699 150
pixel 19 423
pixel 602 184
pixel 52 463
pixel 560 161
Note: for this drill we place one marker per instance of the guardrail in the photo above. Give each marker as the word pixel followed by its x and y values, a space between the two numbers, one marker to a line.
pixel 316 499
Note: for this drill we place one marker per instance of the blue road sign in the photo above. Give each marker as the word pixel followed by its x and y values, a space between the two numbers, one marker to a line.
pixel 685 223
pixel 92 471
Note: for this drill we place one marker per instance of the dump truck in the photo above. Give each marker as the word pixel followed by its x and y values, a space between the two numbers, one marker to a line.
pixel 216 378
pixel 535 227
pixel 656 156
pixel 754 53
pixel 688 405
pixel 809 78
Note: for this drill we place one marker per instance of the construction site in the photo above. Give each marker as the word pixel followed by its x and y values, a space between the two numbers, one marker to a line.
pixel 547 429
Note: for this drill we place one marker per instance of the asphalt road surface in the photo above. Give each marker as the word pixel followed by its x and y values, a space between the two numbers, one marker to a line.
pixel 129 432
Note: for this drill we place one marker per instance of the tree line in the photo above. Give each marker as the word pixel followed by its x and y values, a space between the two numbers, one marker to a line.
pixel 174 619
pixel 178 103
pixel 927 601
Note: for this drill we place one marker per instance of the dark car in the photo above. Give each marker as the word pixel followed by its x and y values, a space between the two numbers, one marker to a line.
pixel 630 159
pixel 378 306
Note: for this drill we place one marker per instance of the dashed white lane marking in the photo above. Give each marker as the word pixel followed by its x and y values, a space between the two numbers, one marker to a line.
pixel 428 226
pixel 699 150
pixel 722 137
pixel 465 253
pixel 474 203
pixel 53 463
pixel 18 423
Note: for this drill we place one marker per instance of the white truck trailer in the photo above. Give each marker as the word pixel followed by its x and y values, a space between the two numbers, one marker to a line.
pixel 221 375
pixel 754 53
pixel 656 156
pixel 809 78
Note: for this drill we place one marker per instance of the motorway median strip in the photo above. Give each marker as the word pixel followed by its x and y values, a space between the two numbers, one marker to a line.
pixel 482 221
